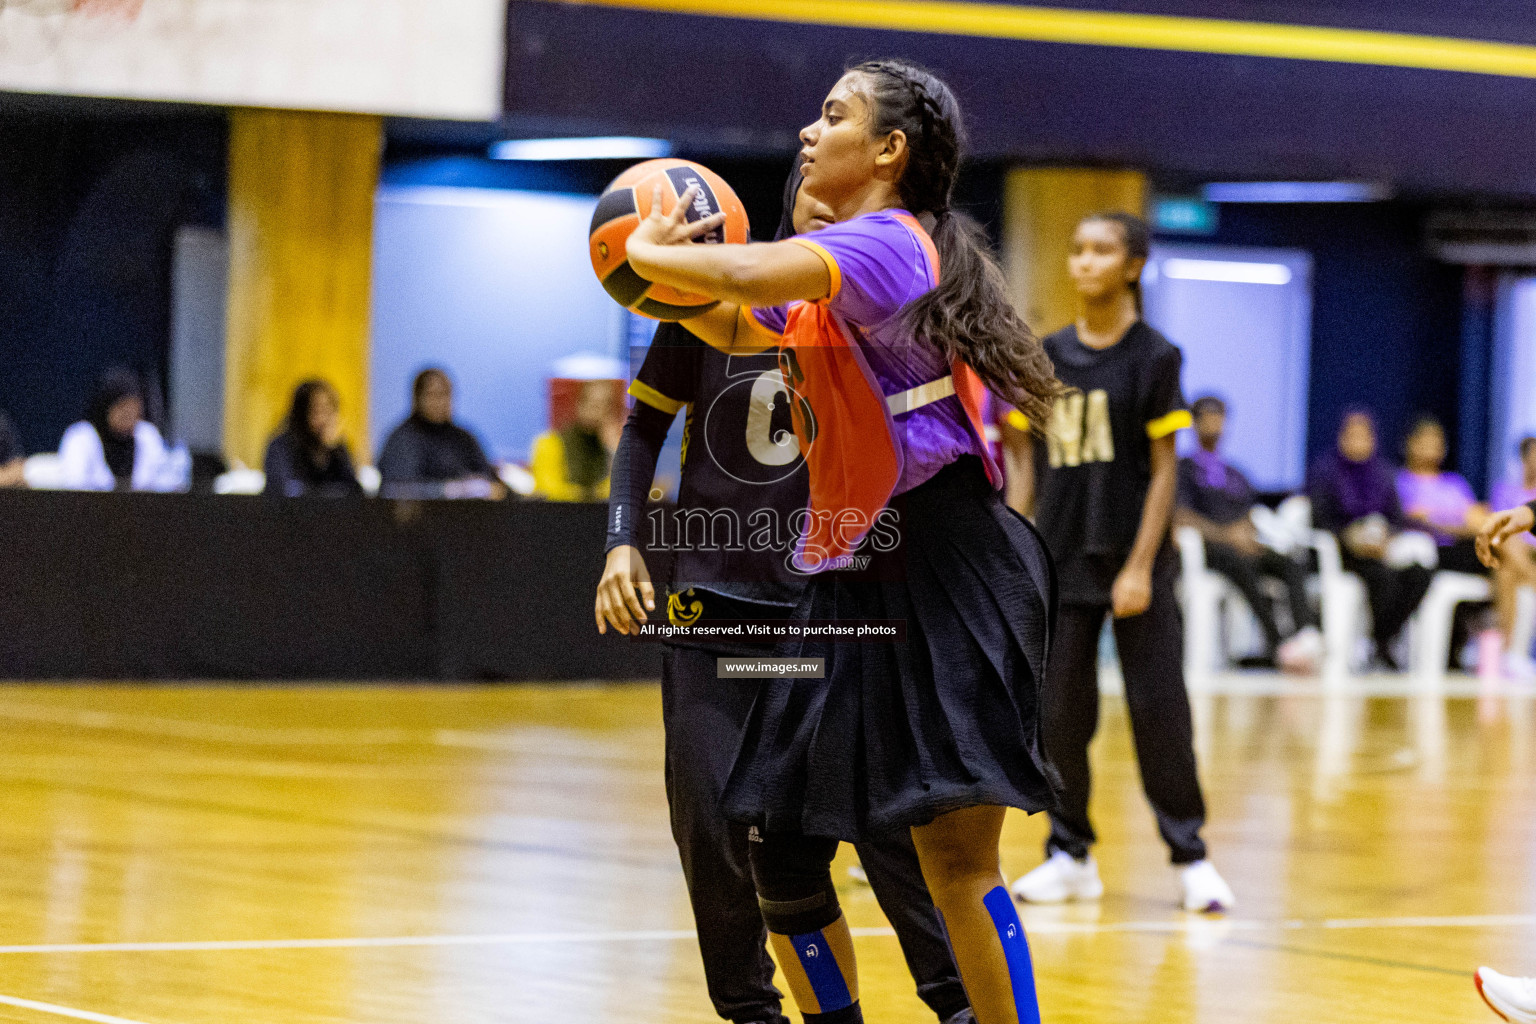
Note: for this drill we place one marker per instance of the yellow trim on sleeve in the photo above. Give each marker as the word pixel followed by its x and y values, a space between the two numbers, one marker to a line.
pixel 1017 420
pixel 832 267
pixel 1179 419
pixel 653 398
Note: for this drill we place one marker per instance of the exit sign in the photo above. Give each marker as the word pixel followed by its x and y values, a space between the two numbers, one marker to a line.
pixel 1184 216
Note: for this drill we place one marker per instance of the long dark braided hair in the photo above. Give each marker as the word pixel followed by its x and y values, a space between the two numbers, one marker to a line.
pixel 968 315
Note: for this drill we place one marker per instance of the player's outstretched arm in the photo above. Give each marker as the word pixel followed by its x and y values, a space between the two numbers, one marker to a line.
pixel 1498 528
pixel 760 274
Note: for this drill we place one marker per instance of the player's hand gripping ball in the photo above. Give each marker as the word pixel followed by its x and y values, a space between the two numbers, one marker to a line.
pixel 627 202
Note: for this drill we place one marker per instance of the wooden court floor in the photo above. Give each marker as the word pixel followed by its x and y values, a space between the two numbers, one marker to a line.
pixel 223 855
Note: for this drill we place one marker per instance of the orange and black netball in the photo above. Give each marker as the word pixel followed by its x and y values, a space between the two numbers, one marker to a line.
pixel 628 200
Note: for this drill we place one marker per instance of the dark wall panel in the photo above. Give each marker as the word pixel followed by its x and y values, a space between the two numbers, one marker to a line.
pixel 148 586
pixel 723 82
pixel 89 204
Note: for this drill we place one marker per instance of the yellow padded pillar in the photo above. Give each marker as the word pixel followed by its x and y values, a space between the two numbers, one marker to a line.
pixel 301 193
pixel 1041 206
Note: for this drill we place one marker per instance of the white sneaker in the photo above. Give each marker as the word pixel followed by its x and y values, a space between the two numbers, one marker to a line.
pixel 1514 999
pixel 1302 653
pixel 1205 891
pixel 1059 879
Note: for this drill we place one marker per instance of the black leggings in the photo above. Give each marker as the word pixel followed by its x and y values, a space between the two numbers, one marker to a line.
pixel 1394 595
pixel 1245 572
pixel 1151 649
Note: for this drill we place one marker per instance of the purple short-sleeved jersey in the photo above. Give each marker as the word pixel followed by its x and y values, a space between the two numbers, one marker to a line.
pixel 1441 498
pixel 879 262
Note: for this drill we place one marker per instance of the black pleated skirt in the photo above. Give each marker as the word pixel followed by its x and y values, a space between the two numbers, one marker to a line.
pixel 899 733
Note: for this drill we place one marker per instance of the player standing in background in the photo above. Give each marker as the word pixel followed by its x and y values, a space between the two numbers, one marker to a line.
pixel 739 455
pixel 1102 489
pixel 882 317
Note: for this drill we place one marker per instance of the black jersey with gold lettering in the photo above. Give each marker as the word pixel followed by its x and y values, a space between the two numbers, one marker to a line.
pixel 744 481
pixel 1092 472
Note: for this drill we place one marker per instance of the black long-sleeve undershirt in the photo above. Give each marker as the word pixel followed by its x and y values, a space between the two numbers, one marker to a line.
pixel 634 467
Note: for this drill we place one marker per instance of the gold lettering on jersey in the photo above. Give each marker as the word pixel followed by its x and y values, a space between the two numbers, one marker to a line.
pixel 1066 436
pixel 1098 440
pixel 1080 430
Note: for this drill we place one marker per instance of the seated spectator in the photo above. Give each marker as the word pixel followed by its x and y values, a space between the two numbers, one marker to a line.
pixel 12 462
pixel 1355 497
pixel 310 456
pixel 430 456
pixel 114 447
pixel 1216 498
pixel 1517 567
pixel 573 464
pixel 1438 502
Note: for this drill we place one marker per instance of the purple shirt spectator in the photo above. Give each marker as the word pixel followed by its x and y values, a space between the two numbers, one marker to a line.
pixel 1441 498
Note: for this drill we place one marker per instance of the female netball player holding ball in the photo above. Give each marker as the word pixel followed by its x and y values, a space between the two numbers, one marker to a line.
pixel 1102 493
pixel 940 733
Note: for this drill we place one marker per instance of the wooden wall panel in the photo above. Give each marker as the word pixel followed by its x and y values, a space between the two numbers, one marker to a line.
pixel 301 193
pixel 1041 206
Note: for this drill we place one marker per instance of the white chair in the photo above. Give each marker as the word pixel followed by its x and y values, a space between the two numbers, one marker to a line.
pixel 1202 592
pixel 370 478
pixel 1213 609
pixel 1430 628
pixel 240 481
pixel 1346 612
pixel 1524 634
pixel 44 472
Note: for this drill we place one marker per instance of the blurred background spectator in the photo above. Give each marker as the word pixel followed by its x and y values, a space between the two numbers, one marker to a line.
pixel 1354 496
pixel 1216 499
pixel 1517 566
pixel 114 448
pixel 1438 501
pixel 12 463
pixel 311 456
pixel 574 464
pixel 430 456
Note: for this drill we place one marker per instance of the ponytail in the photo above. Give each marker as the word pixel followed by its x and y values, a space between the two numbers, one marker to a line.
pixel 968 315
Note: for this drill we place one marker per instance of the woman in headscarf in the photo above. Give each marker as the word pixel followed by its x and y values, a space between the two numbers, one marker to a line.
pixel 573 464
pixel 114 448
pixel 311 456
pixel 1354 495
pixel 429 455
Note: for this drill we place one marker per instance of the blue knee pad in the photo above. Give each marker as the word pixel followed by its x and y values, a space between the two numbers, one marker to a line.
pixel 1010 931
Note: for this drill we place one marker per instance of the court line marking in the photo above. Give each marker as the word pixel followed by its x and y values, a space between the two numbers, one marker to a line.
pixel 1196 925
pixel 1125 29
pixel 65 1011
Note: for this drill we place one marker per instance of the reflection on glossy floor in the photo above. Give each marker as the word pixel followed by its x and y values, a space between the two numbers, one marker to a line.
pixel 206 855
